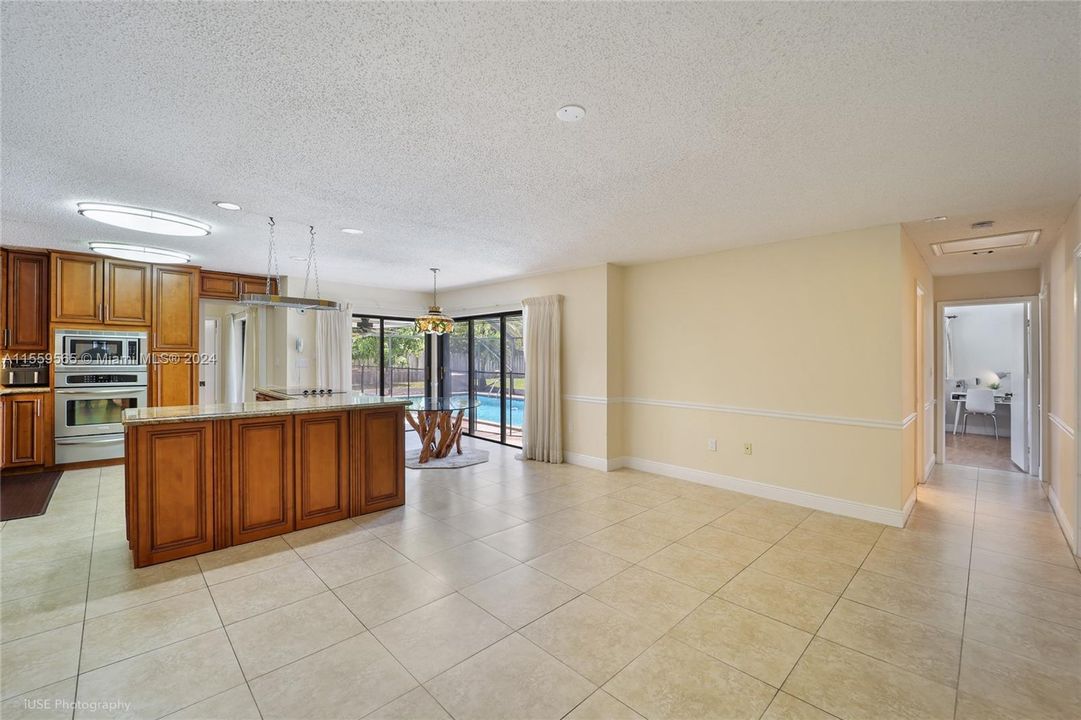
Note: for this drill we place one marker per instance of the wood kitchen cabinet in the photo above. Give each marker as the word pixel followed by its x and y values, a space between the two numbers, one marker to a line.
pixel 175 325
pixel 322 468
pixel 24 307
pixel 23 429
pixel 174 380
pixel 172 496
pixel 127 293
pixel 78 288
pixel 230 286
pixel 261 475
pixel 378 477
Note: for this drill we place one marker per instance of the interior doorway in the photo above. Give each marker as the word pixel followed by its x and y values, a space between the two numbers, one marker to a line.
pixel 990 384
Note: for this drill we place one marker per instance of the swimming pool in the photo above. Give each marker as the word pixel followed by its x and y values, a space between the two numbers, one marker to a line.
pixel 488 410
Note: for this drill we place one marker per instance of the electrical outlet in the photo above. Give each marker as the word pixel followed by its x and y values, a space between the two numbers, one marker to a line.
pixel 747 450
pixel 711 444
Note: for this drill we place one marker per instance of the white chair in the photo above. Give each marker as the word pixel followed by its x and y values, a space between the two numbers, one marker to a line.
pixel 979 401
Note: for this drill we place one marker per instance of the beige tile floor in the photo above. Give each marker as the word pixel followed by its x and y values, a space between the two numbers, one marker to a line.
pixel 518 590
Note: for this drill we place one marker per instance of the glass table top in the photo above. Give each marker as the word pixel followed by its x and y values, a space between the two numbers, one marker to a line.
pixel 441 404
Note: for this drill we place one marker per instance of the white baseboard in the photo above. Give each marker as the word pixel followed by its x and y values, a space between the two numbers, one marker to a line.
pixel 1063 521
pixel 592 462
pixel 910 503
pixel 929 468
pixel 848 508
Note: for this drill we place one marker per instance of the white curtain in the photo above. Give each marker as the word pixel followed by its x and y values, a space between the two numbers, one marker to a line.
pixel 255 369
pixel 542 435
pixel 232 358
pixel 334 348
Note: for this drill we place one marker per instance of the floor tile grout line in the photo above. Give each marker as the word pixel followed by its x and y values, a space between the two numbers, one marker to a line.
pixel 86 604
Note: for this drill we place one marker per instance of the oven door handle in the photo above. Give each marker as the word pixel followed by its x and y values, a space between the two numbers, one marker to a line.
pixel 80 441
pixel 116 390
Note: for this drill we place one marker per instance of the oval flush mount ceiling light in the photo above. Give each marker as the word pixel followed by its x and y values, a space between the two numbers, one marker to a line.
pixel 143 220
pixel 226 205
pixel 571 113
pixel 140 253
pixel 352 231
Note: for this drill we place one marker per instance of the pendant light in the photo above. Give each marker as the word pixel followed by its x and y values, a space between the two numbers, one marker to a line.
pixel 435 321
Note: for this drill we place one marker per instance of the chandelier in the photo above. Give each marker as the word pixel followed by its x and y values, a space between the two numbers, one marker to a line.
pixel 435 321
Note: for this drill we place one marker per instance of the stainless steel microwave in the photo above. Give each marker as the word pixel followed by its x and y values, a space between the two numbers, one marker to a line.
pixel 84 349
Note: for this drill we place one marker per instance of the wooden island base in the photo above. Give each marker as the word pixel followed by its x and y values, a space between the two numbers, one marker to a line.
pixel 198 485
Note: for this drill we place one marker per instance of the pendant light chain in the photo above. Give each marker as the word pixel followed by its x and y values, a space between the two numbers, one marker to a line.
pixel 272 260
pixel 312 264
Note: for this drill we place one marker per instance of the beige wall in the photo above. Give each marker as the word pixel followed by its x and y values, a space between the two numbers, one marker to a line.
pixel 1060 284
pixel 918 436
pixel 811 327
pixel 987 286
pixel 585 344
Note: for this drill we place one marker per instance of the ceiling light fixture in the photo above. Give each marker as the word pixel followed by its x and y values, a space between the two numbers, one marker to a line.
pixel 143 220
pixel 226 205
pixel 435 321
pixel 140 253
pixel 571 113
pixel 352 231
pixel 936 218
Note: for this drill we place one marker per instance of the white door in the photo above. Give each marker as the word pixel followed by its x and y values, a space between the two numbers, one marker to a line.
pixel 1019 404
pixel 208 371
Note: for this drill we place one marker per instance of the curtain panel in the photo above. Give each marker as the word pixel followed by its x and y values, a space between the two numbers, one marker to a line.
pixel 542 434
pixel 334 344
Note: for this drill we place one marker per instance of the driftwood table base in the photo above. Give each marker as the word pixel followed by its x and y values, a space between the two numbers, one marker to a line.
pixel 440 431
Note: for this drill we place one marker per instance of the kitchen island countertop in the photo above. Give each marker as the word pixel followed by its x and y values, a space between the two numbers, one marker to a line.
pixel 326 403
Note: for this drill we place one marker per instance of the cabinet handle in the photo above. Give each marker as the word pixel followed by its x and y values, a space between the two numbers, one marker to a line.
pixel 7 331
pixel 99 311
pixel 37 404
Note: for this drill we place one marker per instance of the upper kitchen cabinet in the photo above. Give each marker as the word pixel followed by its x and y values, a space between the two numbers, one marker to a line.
pixel 24 309
pixel 230 286
pixel 127 293
pixel 78 288
pixel 175 324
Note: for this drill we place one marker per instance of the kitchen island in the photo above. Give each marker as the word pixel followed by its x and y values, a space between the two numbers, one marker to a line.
pixel 205 477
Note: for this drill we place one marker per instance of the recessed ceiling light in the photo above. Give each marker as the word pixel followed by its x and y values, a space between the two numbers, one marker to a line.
pixel 936 218
pixel 226 205
pixel 140 253
pixel 352 231
pixel 571 113
pixel 143 220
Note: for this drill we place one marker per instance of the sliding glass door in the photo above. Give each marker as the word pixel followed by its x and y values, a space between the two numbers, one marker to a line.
pixel 389 358
pixel 484 359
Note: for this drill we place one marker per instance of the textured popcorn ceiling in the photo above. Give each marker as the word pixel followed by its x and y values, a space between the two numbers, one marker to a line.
pixel 433 127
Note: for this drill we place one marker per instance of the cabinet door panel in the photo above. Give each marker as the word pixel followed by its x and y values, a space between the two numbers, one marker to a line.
pixel 174 496
pixel 322 468
pixel 78 286
pixel 127 293
pixel 27 302
pixel 176 309
pixel 24 427
pixel 174 383
pixel 223 286
pixel 256 284
pixel 262 477
pixel 380 473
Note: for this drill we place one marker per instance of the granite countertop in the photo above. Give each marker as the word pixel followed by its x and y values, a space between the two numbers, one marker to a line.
pixel 24 390
pixel 181 413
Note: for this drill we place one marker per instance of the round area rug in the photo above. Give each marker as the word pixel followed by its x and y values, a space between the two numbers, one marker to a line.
pixel 454 460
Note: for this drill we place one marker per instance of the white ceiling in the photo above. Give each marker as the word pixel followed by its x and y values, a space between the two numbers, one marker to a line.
pixel 433 128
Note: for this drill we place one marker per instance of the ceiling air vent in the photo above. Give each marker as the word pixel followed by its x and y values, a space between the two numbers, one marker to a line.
pixel 982 224
pixel 987 245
